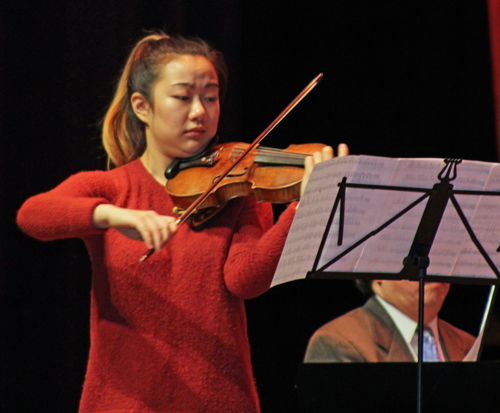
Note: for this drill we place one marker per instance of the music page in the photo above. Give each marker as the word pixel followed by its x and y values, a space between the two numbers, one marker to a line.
pixel 379 224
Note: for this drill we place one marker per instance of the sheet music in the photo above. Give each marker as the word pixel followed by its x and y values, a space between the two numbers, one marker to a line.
pixel 473 353
pixel 452 253
pixel 485 215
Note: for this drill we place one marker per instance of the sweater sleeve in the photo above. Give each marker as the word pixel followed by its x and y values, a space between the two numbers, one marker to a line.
pixel 67 210
pixel 255 250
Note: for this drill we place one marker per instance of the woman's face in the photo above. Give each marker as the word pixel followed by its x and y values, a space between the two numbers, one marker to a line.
pixel 185 108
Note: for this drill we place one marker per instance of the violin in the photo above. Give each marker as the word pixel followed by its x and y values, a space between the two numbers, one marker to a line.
pixel 271 175
pixel 218 188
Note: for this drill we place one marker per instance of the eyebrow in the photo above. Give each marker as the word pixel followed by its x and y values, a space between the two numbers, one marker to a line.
pixel 192 86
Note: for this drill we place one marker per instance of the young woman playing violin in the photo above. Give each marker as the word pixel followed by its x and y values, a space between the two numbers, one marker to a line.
pixel 168 334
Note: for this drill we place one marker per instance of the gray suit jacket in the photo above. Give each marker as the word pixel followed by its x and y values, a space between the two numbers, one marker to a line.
pixel 368 334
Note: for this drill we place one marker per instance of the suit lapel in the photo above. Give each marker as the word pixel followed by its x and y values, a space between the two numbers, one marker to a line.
pixel 452 351
pixel 386 336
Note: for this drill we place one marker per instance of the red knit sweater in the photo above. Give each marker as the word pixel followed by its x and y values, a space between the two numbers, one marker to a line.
pixel 169 334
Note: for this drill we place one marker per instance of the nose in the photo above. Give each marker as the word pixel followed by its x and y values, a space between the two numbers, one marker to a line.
pixel 198 112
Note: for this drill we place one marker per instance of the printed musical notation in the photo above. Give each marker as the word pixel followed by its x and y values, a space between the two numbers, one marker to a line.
pixel 452 253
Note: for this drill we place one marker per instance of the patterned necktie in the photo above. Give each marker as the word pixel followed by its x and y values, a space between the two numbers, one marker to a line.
pixel 431 352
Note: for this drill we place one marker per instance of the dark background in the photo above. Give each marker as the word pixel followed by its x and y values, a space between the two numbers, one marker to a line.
pixel 401 79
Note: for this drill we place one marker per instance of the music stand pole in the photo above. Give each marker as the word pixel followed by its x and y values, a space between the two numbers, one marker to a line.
pixel 422 264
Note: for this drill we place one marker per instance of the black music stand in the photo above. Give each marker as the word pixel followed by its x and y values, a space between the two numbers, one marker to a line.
pixel 417 261
pixel 449 387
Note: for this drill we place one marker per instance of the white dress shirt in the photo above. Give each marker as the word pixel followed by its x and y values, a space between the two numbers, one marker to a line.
pixel 408 328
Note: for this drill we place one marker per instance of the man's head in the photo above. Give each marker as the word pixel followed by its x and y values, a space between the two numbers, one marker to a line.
pixel 404 294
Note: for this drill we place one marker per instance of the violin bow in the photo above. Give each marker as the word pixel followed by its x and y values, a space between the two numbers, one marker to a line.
pixel 250 148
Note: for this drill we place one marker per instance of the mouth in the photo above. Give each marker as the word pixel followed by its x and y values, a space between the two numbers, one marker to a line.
pixel 195 132
pixel 434 285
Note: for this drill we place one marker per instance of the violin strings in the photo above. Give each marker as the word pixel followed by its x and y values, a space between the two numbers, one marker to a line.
pixel 276 153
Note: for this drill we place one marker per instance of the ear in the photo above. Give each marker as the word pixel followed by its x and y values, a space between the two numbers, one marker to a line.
pixel 141 107
pixel 377 286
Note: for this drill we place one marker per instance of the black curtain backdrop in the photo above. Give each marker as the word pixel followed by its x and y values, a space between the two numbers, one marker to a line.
pixel 401 79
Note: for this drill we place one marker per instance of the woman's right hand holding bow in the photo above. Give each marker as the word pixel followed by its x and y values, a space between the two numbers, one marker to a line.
pixel 148 226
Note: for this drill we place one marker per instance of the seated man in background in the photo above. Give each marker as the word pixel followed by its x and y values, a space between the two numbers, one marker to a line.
pixel 385 328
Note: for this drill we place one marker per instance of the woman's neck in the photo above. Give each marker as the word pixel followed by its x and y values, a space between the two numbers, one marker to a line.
pixel 156 164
